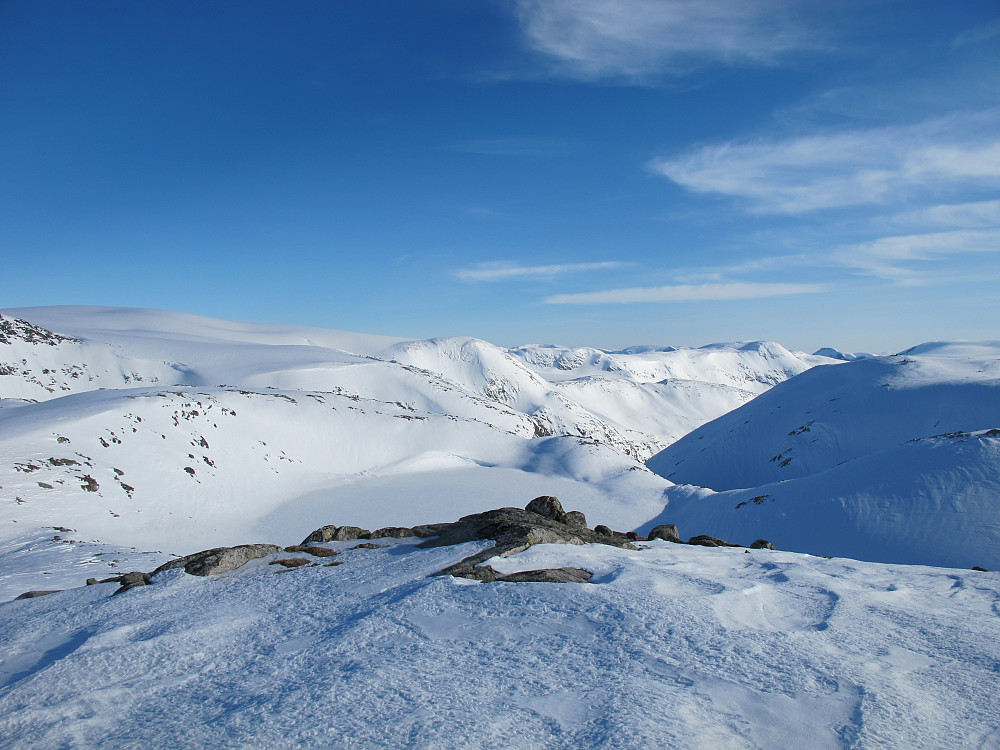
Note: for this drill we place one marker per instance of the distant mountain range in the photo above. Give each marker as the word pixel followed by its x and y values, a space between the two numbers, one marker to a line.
pixel 165 431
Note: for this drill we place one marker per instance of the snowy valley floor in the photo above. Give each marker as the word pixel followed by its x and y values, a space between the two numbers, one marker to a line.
pixel 668 646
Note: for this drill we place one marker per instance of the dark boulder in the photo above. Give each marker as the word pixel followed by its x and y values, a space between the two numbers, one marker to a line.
pixel 336 534
pixel 704 540
pixel 392 532
pixel 513 530
pixel 322 534
pixel 36 594
pixel 666 531
pixel 549 575
pixel 314 551
pixel 547 507
pixel 131 581
pixel 575 519
pixel 219 560
pixel 762 544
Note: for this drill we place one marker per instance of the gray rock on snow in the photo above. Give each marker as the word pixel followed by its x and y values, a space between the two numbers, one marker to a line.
pixel 219 560
pixel 549 575
pixel 336 534
pixel 36 594
pixel 514 530
pixel 666 531
pixel 549 507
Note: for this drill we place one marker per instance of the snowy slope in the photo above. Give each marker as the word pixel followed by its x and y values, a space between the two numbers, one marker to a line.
pixel 170 431
pixel 164 431
pixel 669 646
pixel 891 458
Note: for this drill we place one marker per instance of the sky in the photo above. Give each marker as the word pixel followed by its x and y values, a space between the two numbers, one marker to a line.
pixel 668 172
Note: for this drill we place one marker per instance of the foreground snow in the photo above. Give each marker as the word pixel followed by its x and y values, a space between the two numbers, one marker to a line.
pixel 669 646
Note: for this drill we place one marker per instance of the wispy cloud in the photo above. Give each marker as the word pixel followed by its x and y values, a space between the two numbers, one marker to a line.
pixel 977 214
pixel 637 39
pixel 684 293
pixel 895 258
pixel 834 170
pixel 508 271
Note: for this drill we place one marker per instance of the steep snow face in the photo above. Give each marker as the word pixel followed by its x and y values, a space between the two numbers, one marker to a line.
pixel 669 646
pixel 891 458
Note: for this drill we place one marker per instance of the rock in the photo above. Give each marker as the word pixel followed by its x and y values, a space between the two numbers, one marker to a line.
pixel 666 531
pixel 335 534
pixel 513 530
pixel 290 562
pixel 35 594
pixel 392 532
pixel 704 540
pixel 549 575
pixel 314 551
pixel 130 581
pixel 429 529
pixel 369 545
pixel 575 519
pixel 350 533
pixel 547 507
pixel 762 544
pixel 974 567
pixel 322 534
pixel 603 530
pixel 219 560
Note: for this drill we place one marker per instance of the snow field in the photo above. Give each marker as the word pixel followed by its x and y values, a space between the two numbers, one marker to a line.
pixel 669 646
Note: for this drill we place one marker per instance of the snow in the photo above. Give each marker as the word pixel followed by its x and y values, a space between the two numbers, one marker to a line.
pixel 894 459
pixel 669 646
pixel 146 434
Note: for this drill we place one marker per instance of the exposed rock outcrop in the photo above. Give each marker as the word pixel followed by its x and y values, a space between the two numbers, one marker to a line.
pixel 336 534
pixel 220 559
pixel 549 575
pixel 36 594
pixel 514 530
pixel 666 531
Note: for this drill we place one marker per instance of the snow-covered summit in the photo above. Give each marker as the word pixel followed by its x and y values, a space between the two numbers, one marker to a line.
pixel 892 458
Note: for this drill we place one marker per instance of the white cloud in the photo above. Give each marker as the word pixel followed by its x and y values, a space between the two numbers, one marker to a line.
pixel 507 271
pixel 977 214
pixel 833 170
pixel 684 293
pixel 635 39
pixel 894 258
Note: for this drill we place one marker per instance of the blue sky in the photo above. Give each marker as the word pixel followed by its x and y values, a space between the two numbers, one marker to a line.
pixel 549 171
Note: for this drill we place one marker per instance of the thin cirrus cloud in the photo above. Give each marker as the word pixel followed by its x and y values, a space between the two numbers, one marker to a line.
pixel 966 215
pixel 685 293
pixel 638 39
pixel 508 271
pixel 896 258
pixel 835 170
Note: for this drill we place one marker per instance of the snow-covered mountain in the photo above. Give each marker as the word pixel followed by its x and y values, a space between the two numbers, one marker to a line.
pixel 173 432
pixel 127 436
pixel 892 458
